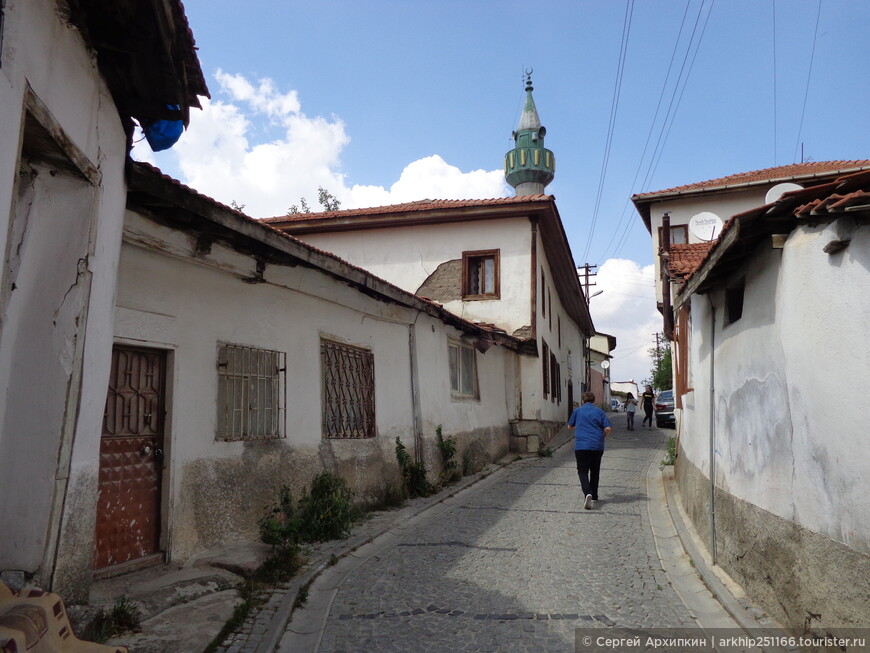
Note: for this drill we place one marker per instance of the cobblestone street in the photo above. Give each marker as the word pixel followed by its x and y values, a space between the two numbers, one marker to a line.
pixel 513 564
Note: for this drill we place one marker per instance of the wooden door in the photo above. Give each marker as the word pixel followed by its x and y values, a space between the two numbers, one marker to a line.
pixel 131 458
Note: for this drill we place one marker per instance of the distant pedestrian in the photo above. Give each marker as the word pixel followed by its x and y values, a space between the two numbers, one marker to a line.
pixel 647 399
pixel 591 427
pixel 630 408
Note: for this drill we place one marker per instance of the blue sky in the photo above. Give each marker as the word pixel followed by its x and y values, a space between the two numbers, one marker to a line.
pixel 389 100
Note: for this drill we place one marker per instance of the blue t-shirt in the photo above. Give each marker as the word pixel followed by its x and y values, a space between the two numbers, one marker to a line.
pixel 589 422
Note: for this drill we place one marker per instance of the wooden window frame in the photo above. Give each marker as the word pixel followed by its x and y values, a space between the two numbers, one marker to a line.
pixel 343 421
pixel 554 379
pixel 550 301
pixel 467 259
pixel 456 390
pixel 543 294
pixel 676 228
pixel 545 367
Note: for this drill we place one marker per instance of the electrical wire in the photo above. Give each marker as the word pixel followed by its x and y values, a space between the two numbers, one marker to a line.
pixel 673 114
pixel 807 89
pixel 625 210
pixel 773 6
pixel 614 107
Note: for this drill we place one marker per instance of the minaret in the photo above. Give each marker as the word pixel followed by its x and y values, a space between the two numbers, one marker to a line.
pixel 529 167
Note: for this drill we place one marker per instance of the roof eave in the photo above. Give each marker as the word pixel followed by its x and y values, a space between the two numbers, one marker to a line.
pixel 184 206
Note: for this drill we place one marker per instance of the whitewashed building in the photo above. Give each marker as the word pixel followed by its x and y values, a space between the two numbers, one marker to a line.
pixel 68 94
pixel 273 361
pixel 769 323
pixel 501 262
pixel 168 363
pixel 600 346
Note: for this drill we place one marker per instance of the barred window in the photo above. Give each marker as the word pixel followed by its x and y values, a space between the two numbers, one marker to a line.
pixel 463 369
pixel 251 391
pixel 348 375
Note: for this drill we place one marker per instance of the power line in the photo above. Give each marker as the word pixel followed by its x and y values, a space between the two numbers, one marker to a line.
pixel 614 107
pixel 807 90
pixel 673 114
pixel 773 6
pixel 648 137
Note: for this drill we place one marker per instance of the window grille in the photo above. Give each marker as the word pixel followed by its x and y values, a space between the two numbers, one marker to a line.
pixel 251 391
pixel 463 369
pixel 348 375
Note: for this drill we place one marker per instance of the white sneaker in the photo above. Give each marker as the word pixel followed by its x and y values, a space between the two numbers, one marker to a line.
pixel 588 503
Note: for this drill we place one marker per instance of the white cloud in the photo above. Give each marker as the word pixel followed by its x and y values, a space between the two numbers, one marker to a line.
pixel 224 154
pixel 627 309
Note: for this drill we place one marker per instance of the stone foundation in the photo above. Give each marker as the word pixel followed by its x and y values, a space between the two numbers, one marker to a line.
pixel 800 578
pixel 528 435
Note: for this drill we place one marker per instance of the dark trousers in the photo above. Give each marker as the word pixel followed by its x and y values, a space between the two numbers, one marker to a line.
pixel 588 469
pixel 647 415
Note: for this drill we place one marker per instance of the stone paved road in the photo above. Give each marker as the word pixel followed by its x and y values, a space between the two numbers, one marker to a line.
pixel 515 565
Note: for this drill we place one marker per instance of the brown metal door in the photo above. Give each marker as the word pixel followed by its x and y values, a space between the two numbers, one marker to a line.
pixel 131 458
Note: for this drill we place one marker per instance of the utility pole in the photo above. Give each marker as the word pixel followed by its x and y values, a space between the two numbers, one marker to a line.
pixel 588 271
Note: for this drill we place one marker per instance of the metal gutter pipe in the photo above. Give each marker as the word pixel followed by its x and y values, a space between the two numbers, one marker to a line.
pixel 712 429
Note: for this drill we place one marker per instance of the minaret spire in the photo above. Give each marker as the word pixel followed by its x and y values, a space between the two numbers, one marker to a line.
pixel 529 167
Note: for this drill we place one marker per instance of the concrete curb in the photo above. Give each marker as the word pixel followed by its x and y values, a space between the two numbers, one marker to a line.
pixel 747 616
pixel 277 627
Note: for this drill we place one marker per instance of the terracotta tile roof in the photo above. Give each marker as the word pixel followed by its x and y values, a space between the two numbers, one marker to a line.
pixel 794 171
pixel 408 207
pixel 685 258
pixel 445 315
pixel 834 203
pixel 846 195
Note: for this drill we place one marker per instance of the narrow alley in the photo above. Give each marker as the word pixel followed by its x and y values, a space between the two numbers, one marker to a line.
pixel 513 563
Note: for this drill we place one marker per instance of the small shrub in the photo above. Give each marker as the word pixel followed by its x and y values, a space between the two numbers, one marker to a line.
pixel 545 451
pixel 327 511
pixel 413 474
pixel 671 454
pixel 302 595
pixel 280 527
pixel 122 617
pixel 279 567
pixel 447 447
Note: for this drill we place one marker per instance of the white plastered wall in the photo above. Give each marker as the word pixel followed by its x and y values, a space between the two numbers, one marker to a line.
pixel 788 422
pixel 57 322
pixel 169 299
pixel 407 256
pixel 571 346
pixel 682 210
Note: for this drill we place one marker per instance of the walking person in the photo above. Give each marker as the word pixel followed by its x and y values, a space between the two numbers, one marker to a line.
pixel 591 427
pixel 630 408
pixel 647 399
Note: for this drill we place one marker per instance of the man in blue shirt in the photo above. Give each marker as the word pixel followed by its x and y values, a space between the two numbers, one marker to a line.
pixel 591 427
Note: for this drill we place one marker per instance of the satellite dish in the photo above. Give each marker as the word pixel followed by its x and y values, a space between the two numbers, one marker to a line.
pixel 705 226
pixel 777 191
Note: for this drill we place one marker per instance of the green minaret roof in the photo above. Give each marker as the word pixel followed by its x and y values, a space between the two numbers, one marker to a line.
pixel 529 167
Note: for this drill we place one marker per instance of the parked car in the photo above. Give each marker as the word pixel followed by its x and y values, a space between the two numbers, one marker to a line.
pixel 665 409
pixel 614 405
